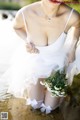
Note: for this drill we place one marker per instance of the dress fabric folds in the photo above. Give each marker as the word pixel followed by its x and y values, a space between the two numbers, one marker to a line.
pixel 20 68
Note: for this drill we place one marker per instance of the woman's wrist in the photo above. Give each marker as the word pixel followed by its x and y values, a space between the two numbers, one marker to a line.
pixel 28 40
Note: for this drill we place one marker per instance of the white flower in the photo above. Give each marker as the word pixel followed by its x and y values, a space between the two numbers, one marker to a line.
pixel 56 88
pixel 57 92
pixel 42 83
pixel 62 93
pixel 49 89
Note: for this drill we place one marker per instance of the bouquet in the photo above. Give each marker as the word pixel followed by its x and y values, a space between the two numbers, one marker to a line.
pixel 57 84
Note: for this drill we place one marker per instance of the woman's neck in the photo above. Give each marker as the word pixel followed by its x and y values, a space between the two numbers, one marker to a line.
pixel 50 9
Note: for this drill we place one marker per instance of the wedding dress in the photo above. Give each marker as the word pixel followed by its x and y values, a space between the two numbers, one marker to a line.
pixel 26 68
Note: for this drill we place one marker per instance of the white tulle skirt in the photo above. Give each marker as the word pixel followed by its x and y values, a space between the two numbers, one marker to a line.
pixel 22 68
pixel 25 69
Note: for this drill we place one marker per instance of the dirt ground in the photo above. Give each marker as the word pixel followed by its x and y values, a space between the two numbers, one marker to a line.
pixel 69 109
pixel 17 110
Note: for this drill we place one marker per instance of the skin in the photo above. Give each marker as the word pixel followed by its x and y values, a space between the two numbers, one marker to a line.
pixel 38 13
pixel 36 16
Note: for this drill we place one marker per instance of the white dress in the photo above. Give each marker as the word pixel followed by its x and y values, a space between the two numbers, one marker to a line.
pixel 26 68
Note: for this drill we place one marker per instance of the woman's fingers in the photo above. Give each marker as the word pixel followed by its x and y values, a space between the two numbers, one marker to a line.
pixel 31 48
pixel 70 57
pixel 36 50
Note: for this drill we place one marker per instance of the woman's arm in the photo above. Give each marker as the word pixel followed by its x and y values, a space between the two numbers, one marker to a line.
pixel 75 23
pixel 18 25
pixel 21 30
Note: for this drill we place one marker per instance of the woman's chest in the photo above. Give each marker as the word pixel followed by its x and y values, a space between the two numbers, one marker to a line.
pixel 43 31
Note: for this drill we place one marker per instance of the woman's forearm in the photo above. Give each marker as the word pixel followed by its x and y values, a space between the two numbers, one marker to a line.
pixel 21 33
pixel 71 54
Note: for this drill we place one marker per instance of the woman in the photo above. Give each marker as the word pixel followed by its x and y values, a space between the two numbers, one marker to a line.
pixel 44 26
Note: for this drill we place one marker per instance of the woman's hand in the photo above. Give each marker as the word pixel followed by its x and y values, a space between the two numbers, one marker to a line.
pixel 30 47
pixel 71 56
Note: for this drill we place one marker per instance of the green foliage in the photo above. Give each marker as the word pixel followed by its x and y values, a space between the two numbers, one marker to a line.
pixel 9 6
pixel 30 1
pixel 33 1
pixel 57 83
pixel 75 6
pixel 74 91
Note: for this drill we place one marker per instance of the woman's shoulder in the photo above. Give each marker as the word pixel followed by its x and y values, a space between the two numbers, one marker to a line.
pixel 68 9
pixel 75 17
pixel 29 7
pixel 26 10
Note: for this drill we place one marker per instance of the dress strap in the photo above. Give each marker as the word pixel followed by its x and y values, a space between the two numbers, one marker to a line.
pixel 24 20
pixel 68 19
